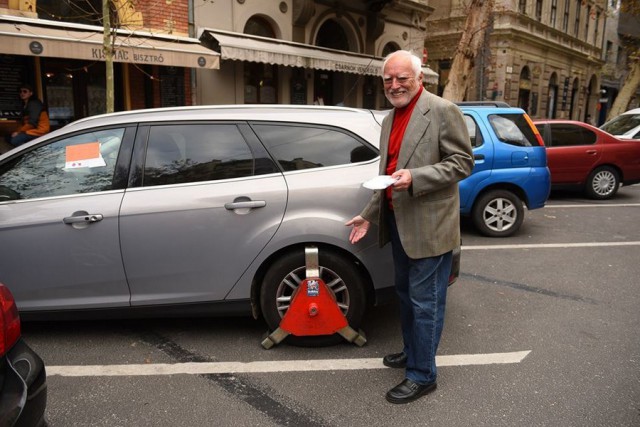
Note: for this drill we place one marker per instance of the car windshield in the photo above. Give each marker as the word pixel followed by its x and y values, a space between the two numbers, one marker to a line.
pixel 621 124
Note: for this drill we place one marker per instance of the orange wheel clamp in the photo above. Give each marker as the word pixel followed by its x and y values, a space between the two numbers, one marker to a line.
pixel 313 310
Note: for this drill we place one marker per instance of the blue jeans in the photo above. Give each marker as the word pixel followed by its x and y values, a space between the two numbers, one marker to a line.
pixel 19 139
pixel 421 285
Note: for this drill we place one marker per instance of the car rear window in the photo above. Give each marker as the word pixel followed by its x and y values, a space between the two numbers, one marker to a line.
pixel 513 129
pixel 307 147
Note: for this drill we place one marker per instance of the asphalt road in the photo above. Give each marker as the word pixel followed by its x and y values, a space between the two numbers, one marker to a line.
pixel 541 330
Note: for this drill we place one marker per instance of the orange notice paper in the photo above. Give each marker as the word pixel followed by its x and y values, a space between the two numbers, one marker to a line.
pixel 83 156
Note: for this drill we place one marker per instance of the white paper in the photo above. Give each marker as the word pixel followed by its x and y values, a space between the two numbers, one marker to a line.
pixel 380 182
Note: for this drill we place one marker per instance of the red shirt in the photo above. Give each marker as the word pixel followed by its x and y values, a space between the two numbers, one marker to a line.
pixel 400 122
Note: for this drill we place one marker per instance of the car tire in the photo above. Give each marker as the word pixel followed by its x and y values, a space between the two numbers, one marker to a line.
pixel 498 213
pixel 602 183
pixel 339 274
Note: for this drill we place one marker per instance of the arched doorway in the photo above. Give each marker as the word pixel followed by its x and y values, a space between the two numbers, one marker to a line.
pixel 574 97
pixel 552 99
pixel 591 100
pixel 524 89
pixel 260 80
pixel 330 87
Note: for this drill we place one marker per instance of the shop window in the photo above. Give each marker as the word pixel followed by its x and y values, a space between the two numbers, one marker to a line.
pixel 75 89
pixel 260 83
pixel 59 94
pixel 298 87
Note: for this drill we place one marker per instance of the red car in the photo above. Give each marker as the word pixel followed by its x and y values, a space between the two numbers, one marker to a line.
pixel 23 380
pixel 582 156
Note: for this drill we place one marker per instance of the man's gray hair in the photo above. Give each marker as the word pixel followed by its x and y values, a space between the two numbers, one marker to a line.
pixel 416 63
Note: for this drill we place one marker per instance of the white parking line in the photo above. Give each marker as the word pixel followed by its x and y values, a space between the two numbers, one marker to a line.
pixel 550 245
pixel 594 205
pixel 271 366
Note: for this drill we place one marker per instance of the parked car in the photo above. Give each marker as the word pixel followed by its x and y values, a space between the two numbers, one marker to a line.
pixel 584 157
pixel 624 126
pixel 23 380
pixel 191 211
pixel 510 168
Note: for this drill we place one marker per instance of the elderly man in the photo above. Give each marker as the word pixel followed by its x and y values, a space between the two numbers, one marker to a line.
pixel 425 147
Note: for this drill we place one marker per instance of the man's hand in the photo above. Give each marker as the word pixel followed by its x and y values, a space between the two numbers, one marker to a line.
pixel 360 228
pixel 403 180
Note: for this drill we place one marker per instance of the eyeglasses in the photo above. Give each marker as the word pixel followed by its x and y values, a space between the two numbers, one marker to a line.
pixel 400 80
pixel 24 91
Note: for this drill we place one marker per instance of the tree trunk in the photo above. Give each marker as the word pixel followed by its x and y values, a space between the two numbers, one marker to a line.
pixel 108 55
pixel 469 47
pixel 627 91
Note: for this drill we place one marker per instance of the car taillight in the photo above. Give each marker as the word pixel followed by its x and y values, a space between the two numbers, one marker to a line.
pixel 9 320
pixel 535 130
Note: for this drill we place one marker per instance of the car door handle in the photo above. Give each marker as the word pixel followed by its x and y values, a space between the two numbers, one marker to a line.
pixel 250 204
pixel 478 157
pixel 87 218
pixel 592 152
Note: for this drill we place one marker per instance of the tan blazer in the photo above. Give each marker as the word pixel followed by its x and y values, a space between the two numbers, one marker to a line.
pixel 437 150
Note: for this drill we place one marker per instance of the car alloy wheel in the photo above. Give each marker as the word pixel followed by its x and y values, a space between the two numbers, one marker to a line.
pixel 498 213
pixel 603 183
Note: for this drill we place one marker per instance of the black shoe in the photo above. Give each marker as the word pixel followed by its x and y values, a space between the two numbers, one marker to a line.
pixel 408 391
pixel 395 360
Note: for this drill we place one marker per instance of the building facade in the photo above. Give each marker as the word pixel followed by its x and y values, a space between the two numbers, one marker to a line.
pixel 622 39
pixel 58 48
pixel 305 51
pixel 542 55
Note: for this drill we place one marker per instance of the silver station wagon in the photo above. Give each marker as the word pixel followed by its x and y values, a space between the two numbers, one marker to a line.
pixel 191 211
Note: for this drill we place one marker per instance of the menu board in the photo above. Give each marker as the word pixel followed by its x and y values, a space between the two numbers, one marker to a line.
pixel 13 70
pixel 171 86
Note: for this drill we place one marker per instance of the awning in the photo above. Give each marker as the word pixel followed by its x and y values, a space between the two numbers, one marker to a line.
pixel 37 37
pixel 245 47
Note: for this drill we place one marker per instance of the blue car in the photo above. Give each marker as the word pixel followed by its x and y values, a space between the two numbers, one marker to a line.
pixel 510 168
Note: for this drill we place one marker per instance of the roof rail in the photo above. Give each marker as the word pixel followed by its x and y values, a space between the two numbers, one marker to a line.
pixel 484 103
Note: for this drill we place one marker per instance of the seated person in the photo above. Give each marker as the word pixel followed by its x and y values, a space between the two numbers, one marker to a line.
pixel 35 119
